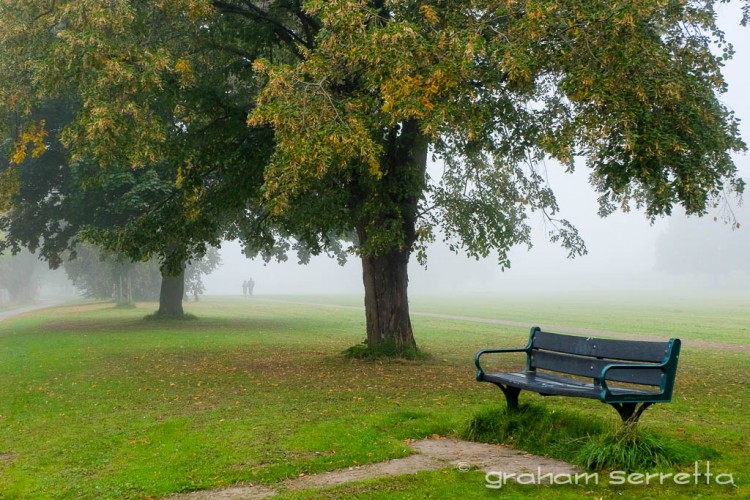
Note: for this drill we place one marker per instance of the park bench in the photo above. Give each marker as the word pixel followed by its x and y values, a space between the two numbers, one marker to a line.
pixel 622 373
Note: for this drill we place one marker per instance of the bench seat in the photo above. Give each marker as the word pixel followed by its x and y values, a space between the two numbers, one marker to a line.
pixel 547 384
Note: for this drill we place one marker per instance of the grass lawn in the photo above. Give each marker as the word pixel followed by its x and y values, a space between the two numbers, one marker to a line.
pixel 98 403
pixel 713 317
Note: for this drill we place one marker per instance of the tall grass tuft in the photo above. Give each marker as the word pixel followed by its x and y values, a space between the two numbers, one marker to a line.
pixel 532 428
pixel 580 440
pixel 630 449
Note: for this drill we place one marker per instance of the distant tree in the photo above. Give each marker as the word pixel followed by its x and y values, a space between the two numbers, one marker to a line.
pixel 196 269
pixel 102 275
pixel 712 246
pixel 19 275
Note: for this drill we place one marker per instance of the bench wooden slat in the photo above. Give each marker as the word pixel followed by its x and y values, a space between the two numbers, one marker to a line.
pixel 625 350
pixel 592 367
pixel 551 385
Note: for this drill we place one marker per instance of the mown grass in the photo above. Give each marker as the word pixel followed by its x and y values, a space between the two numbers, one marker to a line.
pixel 98 403
pixel 715 317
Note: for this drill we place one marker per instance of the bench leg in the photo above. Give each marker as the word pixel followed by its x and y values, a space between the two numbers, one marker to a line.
pixel 511 396
pixel 630 412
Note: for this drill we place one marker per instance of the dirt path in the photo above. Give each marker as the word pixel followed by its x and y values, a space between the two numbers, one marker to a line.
pixel 41 304
pixel 699 344
pixel 432 454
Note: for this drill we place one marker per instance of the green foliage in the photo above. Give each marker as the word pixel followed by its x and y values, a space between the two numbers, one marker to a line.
pixel 345 98
pixel 153 132
pixel 47 208
pixel 134 213
pixel 495 91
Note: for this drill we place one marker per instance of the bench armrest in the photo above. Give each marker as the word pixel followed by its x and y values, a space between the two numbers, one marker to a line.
pixel 480 370
pixel 668 367
pixel 606 394
pixel 527 350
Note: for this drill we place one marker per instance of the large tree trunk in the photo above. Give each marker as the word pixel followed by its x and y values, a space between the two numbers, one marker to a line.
pixel 386 300
pixel 171 294
pixel 384 272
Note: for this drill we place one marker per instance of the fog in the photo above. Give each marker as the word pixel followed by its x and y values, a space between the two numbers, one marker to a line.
pixel 622 254
pixel 625 251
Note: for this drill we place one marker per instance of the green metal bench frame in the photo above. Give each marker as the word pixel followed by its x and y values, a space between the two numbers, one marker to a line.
pixel 553 358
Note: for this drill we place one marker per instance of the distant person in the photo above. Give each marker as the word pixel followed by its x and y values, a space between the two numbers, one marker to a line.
pixel 244 288
pixel 250 287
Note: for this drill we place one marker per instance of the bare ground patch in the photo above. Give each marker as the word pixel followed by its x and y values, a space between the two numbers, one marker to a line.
pixel 432 454
pixel 7 458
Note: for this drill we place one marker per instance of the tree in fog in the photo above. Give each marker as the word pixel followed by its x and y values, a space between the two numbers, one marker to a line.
pixel 56 204
pixel 198 268
pixel 19 276
pixel 713 246
pixel 99 274
pixel 170 152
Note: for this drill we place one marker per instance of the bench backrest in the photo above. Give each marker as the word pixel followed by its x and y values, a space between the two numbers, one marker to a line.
pixel 586 356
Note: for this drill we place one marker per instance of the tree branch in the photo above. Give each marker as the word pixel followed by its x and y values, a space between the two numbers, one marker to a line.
pixel 46 12
pixel 255 13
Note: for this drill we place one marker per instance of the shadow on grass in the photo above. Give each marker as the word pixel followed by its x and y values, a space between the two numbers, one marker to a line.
pixel 581 440
pixel 156 316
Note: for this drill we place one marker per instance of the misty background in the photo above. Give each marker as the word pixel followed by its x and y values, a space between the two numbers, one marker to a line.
pixel 626 252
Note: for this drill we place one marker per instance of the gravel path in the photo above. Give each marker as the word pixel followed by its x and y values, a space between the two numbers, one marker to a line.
pixel 41 304
pixel 431 454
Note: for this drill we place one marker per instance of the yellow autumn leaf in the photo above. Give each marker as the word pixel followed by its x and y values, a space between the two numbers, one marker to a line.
pixel 429 13
pixel 185 70
pixel 33 136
